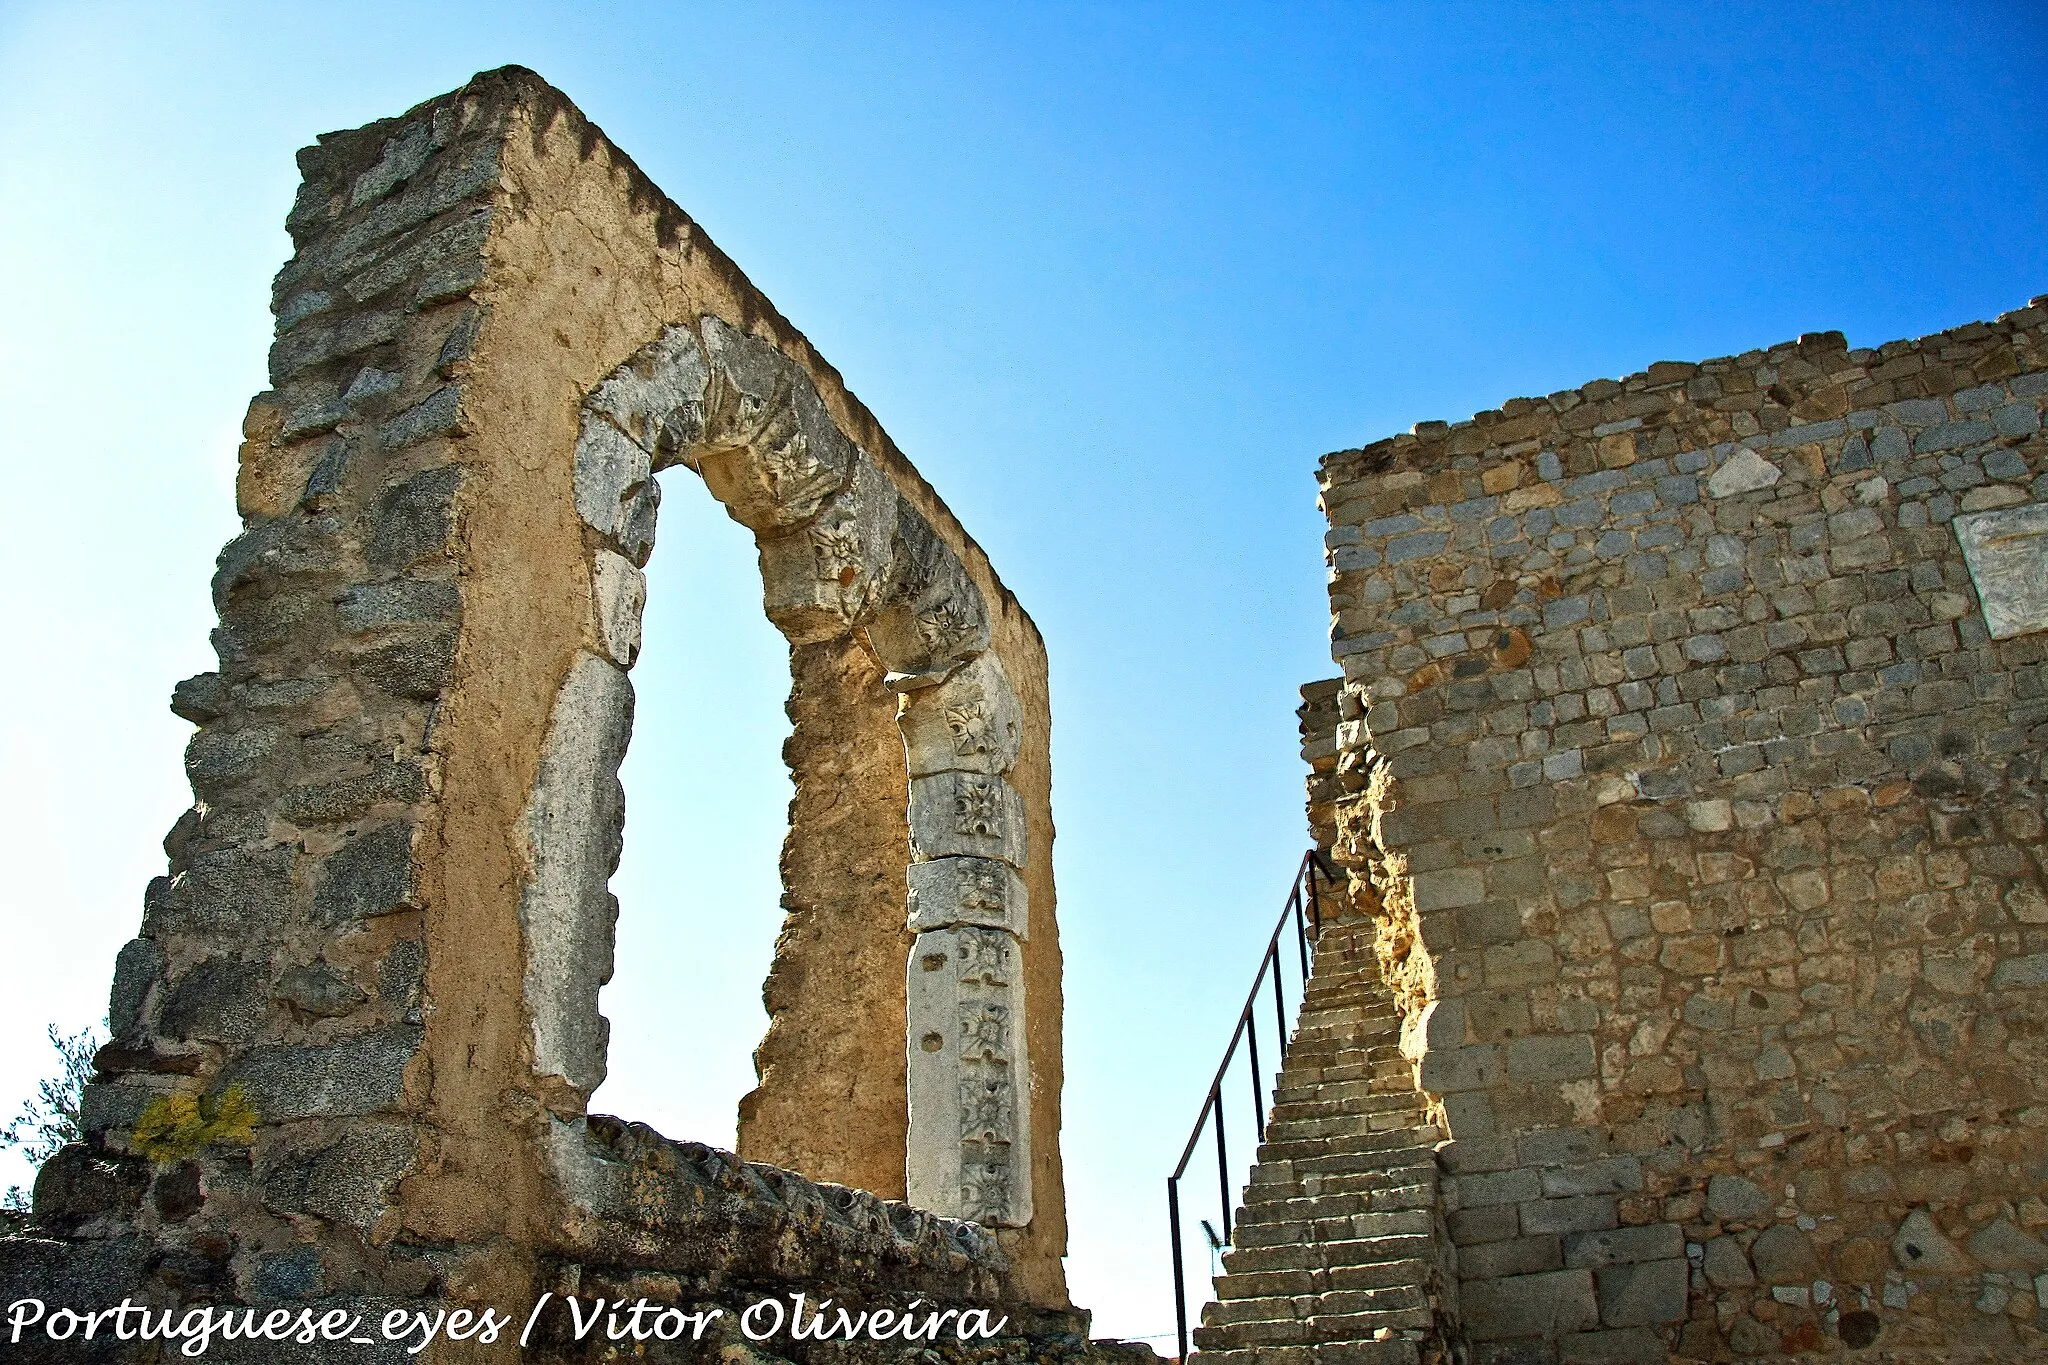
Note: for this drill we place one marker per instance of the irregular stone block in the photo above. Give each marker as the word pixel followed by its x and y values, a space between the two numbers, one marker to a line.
pixel 826 577
pixel 414 518
pixel 657 397
pixel 972 722
pixel 1449 888
pixel 138 968
pixel 297 1274
pixel 2021 971
pixel 1465 1155
pixel 966 814
pixel 319 990
pixel 969 1152
pixel 620 590
pixel 2001 1246
pixel 931 618
pixel 770 451
pixel 2007 555
pixel 1784 1255
pixel 1561 1146
pixel 227 889
pixel 1520 1256
pixel 1440 1025
pixel 373 875
pixel 1464 1068
pixel 1621 1346
pixel 416 669
pixel 1497 1187
pixel 352 797
pixel 440 413
pixel 1743 472
pixel 77 1184
pixel 610 470
pixel 1470 1227
pixel 200 698
pixel 946 892
pixel 222 1000
pixel 1528 1305
pixel 575 819
pixel 273 552
pixel 1615 1246
pixel 1585 1213
pixel 1726 1265
pixel 350 1180
pixel 358 1075
pixel 1641 1295
pixel 1550 1058
pixel 1614 1175
pixel 218 758
pixel 402 602
pixel 1730 1196
pixel 1919 1246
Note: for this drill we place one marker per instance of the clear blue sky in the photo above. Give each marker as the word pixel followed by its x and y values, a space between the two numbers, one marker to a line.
pixel 1113 276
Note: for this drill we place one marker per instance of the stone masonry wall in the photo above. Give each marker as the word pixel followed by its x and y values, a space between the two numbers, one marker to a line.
pixel 355 1038
pixel 1693 746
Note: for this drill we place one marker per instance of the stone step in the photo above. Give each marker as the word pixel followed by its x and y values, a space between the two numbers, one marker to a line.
pixel 1319 1279
pixel 1326 1093
pixel 1391 1352
pixel 1337 1204
pixel 1314 1331
pixel 1276 1184
pixel 1331 1105
pixel 1418 1156
pixel 1320 1148
pixel 1330 1256
pixel 1348 1227
pixel 1304 1307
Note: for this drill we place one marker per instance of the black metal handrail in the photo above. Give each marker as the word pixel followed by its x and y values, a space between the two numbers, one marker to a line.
pixel 1304 907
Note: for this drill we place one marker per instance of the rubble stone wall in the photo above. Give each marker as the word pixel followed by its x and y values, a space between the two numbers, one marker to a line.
pixel 355 1038
pixel 1693 745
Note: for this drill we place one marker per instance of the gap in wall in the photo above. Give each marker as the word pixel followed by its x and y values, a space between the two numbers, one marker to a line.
pixel 707 805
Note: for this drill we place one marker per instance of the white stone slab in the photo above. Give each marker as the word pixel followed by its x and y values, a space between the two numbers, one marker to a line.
pixel 1745 472
pixel 971 722
pixel 972 815
pixel 2007 552
pixel 948 892
pixel 621 592
pixel 823 579
pixel 969 1148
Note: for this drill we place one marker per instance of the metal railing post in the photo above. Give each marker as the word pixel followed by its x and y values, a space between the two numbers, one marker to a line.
pixel 1222 1159
pixel 1251 1033
pixel 1279 1002
pixel 1180 1288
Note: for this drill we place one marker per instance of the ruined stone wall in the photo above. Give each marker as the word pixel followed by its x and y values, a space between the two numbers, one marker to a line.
pixel 354 1040
pixel 1317 717
pixel 1693 739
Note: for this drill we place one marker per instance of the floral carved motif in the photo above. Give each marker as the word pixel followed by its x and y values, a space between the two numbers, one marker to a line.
pixel 978 807
pixel 984 1031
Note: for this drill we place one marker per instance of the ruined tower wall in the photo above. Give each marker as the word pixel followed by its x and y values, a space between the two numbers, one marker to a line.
pixel 1701 786
pixel 355 1039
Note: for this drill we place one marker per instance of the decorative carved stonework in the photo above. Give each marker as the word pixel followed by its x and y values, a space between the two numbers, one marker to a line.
pixel 969 1151
pixel 957 891
pixel 978 807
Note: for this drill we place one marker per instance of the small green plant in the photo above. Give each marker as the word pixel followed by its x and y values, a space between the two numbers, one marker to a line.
pixel 50 1119
pixel 174 1127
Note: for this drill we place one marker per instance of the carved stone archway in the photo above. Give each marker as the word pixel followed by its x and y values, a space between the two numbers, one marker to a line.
pixel 356 1035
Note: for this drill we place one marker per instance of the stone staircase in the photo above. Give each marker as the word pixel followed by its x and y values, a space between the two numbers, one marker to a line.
pixel 1334 1253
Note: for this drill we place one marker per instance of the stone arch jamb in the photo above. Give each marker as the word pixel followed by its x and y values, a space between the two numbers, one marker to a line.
pixel 851 575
